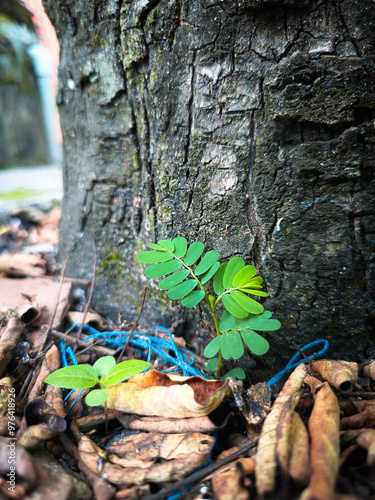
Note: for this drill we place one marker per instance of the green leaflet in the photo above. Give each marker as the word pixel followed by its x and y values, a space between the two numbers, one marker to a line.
pixel 261 322
pixel 213 347
pixel 233 307
pixel 257 344
pixel 174 279
pixel 182 289
pixel 208 275
pixel 231 346
pixel 245 274
pixel 233 267
pixel 167 244
pixel 193 298
pixel 206 262
pixel 158 270
pixel 218 279
pixel 97 397
pixel 254 292
pixel 154 246
pixel 103 365
pixel 247 303
pixel 195 250
pixel 180 246
pixel 153 257
pixel 123 371
pixel 73 377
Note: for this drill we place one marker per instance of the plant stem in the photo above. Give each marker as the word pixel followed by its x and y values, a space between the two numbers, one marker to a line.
pixel 216 323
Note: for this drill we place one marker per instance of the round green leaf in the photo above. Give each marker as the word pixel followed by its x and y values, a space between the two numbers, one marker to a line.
pixel 152 257
pixel 234 265
pixel 97 397
pixel 250 305
pixel 229 322
pixel 103 365
pixel 233 307
pixel 167 244
pixel 263 322
pixel 182 289
pixel 195 250
pixel 231 346
pixel 208 275
pixel 180 247
pixel 236 374
pixel 213 347
pixel 73 377
pixel 206 262
pixel 193 298
pixel 158 270
pixel 245 274
pixel 218 279
pixel 257 344
pixel 124 370
pixel 174 279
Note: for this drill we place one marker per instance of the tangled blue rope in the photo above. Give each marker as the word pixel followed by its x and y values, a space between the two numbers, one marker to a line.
pixel 298 358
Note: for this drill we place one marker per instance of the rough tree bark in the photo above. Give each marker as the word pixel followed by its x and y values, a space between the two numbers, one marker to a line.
pixel 247 124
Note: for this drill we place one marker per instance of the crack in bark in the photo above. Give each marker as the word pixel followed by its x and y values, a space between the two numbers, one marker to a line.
pixel 190 109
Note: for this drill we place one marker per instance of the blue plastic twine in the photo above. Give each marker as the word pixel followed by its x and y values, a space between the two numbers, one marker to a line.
pixel 297 359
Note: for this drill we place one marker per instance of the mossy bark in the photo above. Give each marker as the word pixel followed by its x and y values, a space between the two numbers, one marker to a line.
pixel 247 125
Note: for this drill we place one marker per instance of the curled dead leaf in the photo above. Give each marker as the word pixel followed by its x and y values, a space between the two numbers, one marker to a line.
pixel 342 375
pixel 155 394
pixel 369 370
pixel 228 484
pixel 266 463
pixel 9 339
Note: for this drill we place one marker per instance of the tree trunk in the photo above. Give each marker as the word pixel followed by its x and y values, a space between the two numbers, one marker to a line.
pixel 245 124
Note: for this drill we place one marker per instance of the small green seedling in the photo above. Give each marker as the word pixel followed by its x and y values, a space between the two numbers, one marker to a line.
pixel 187 270
pixel 104 372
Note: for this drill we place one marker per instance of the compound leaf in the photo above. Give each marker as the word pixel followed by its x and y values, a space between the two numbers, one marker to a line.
pixel 103 365
pixel 124 370
pixel 233 307
pixel 208 275
pixel 263 322
pixel 193 298
pixel 153 257
pixel 236 373
pixel 97 397
pixel 206 262
pixel 158 270
pixel 73 377
pixel 257 344
pixel 167 244
pixel 174 279
pixel 250 305
pixel 231 346
pixel 195 250
pixel 218 279
pixel 229 322
pixel 245 274
pixel 180 246
pixel 233 267
pixel 182 289
pixel 213 347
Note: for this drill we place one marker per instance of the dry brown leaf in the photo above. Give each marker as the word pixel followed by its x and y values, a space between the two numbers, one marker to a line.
pixel 365 418
pixel 5 386
pixel 9 339
pixel 146 446
pixel 55 399
pixel 50 363
pixel 228 484
pixel 366 439
pixel 342 375
pixel 173 425
pixel 299 463
pixel 20 264
pixel 325 445
pixel 266 462
pixel 45 292
pixel 182 454
pixel 369 370
pixel 156 394
pixel 134 493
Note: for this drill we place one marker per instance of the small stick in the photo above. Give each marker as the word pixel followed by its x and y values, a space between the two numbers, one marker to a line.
pixel 90 291
pixel 103 351
pixel 135 324
pixel 304 356
pixel 201 474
